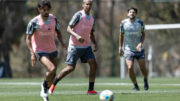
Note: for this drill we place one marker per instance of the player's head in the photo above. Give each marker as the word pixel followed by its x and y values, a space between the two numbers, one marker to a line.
pixel 44 7
pixel 87 4
pixel 132 12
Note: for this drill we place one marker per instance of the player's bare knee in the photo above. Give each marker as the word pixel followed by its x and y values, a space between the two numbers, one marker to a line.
pixel 130 68
pixel 53 69
pixel 71 69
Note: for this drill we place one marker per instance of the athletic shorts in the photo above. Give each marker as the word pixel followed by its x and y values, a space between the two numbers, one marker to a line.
pixel 75 53
pixel 131 55
pixel 51 55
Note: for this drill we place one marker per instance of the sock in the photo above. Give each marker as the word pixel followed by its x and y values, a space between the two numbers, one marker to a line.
pixel 45 84
pixel 145 80
pixel 136 85
pixel 56 81
pixel 91 86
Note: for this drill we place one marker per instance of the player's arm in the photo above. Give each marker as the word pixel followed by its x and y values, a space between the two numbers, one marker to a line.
pixel 78 37
pixel 29 34
pixel 93 40
pixel 139 46
pixel 75 19
pixel 59 35
pixel 142 38
pixel 121 40
pixel 29 44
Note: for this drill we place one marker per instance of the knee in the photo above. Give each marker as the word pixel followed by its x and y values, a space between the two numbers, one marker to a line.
pixel 92 64
pixel 69 69
pixel 130 68
pixel 53 69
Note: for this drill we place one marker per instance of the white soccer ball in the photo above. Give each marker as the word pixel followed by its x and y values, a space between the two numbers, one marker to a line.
pixel 106 95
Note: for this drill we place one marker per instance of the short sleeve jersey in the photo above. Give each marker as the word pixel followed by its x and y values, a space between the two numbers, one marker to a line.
pixel 83 25
pixel 132 33
pixel 33 25
pixel 43 33
pixel 77 17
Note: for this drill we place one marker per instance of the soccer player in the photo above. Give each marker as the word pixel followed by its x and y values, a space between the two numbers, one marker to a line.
pixel 40 34
pixel 131 38
pixel 81 32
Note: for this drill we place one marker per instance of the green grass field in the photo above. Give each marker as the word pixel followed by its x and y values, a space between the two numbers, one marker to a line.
pixel 74 89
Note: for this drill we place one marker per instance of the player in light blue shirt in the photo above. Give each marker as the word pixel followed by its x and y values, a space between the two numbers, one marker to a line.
pixel 131 40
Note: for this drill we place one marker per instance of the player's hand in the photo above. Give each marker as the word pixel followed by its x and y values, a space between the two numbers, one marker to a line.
pixel 64 46
pixel 139 47
pixel 95 47
pixel 33 59
pixel 121 52
pixel 80 39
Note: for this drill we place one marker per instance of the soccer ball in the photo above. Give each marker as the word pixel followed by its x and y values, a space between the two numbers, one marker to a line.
pixel 106 95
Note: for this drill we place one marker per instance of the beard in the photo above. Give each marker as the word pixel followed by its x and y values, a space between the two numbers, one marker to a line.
pixel 46 15
pixel 132 17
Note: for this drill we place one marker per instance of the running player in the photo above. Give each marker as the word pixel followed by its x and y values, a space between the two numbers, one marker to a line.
pixel 82 31
pixel 131 40
pixel 40 41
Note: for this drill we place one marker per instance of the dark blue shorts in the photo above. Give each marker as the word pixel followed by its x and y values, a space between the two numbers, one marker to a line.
pixel 131 55
pixel 51 55
pixel 75 53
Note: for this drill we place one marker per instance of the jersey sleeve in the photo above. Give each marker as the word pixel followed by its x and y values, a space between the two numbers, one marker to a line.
pixel 121 28
pixel 57 24
pixel 75 19
pixel 142 25
pixel 30 28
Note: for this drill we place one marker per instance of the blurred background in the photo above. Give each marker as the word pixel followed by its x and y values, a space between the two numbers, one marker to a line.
pixel 162 46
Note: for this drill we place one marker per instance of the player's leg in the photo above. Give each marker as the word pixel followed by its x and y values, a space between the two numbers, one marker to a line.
pixel 51 70
pixel 71 60
pixel 129 58
pixel 68 69
pixel 54 61
pixel 92 75
pixel 132 75
pixel 144 71
pixel 90 58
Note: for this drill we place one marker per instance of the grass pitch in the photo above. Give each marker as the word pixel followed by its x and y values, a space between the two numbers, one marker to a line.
pixel 74 89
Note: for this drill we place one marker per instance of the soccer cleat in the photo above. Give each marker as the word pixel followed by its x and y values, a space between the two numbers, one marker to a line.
pixel 44 93
pixel 45 98
pixel 51 89
pixel 136 88
pixel 92 92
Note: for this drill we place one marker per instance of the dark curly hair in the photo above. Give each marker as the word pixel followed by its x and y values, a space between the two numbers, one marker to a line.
pixel 135 9
pixel 43 3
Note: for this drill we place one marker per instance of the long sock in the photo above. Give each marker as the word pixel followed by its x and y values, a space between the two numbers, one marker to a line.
pixel 145 80
pixel 91 86
pixel 136 85
pixel 45 84
pixel 56 81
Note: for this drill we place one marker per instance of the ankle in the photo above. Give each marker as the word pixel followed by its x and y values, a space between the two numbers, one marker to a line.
pixel 91 86
pixel 136 85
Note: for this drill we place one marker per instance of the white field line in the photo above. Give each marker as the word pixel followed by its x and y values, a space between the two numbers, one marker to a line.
pixel 73 92
pixel 82 84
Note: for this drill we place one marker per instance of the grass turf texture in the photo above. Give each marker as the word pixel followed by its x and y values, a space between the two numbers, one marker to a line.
pixel 74 89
